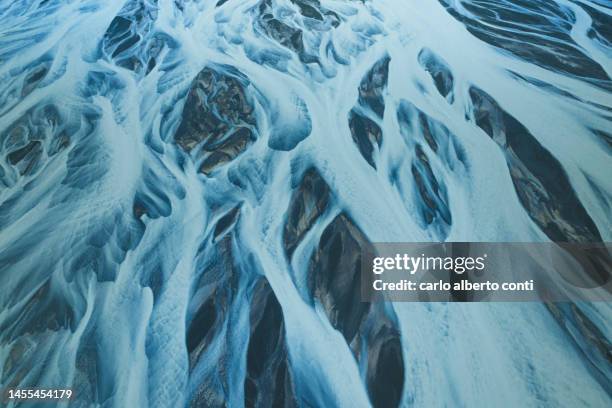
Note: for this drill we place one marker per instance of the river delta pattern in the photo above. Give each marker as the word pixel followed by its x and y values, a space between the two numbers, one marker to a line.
pixel 186 189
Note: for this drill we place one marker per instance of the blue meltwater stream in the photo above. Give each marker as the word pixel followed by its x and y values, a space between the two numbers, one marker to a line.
pixel 186 188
